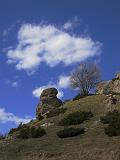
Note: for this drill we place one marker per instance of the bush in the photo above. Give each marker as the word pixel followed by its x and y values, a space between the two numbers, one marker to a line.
pixel 76 118
pixel 37 132
pixel 16 129
pixel 27 132
pixel 13 130
pixel 113 121
pixel 70 132
pixel 24 133
pixel 110 117
pixel 56 112
pixel 112 130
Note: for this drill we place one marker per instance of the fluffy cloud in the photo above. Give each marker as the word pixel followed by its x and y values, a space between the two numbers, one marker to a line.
pixel 10 117
pixel 71 23
pixel 67 25
pixel 51 45
pixel 37 92
pixel 64 81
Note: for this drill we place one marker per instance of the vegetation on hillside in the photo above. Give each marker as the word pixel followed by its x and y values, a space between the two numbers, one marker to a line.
pixel 93 144
pixel 113 121
pixel 75 118
pixel 25 132
pixel 70 132
pixel 55 112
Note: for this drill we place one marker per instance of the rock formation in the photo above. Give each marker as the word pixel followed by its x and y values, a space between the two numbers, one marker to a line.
pixel 111 99
pixel 48 102
pixel 109 87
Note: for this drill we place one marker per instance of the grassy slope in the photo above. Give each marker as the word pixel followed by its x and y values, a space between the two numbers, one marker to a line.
pixel 93 145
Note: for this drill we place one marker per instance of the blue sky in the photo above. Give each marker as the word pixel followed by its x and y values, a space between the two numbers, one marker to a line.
pixel 41 41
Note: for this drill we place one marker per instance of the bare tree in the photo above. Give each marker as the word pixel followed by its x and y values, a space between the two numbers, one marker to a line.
pixel 85 77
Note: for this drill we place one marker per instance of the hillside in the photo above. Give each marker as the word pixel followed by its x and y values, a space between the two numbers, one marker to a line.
pixel 94 144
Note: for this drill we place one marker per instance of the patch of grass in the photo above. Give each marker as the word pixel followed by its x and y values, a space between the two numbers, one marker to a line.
pixel 92 145
pixel 56 112
pixel 78 96
pixel 70 132
pixel 76 118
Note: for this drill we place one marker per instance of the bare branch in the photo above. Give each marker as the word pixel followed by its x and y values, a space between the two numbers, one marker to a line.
pixel 85 77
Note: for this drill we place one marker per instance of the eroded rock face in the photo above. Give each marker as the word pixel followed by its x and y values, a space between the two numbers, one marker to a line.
pixel 109 87
pixel 111 99
pixel 48 101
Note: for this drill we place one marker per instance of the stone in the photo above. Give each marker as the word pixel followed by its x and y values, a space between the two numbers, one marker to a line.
pixel 111 99
pixel 48 102
pixel 118 76
pixel 109 87
pixel 47 124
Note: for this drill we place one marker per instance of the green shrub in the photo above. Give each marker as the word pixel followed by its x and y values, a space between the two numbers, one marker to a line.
pixel 76 118
pixel 37 132
pixel 56 112
pixel 24 133
pixel 113 121
pixel 27 132
pixel 112 130
pixel 70 132
pixel 110 117
pixel 12 130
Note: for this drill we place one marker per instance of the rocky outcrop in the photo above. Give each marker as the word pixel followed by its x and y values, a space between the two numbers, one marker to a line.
pixel 111 99
pixel 48 102
pixel 109 87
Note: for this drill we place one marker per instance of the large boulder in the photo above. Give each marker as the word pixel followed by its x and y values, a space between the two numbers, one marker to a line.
pixel 109 87
pixel 48 102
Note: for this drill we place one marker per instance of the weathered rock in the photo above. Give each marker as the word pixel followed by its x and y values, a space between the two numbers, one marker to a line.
pixel 111 99
pixel 109 87
pixel 48 101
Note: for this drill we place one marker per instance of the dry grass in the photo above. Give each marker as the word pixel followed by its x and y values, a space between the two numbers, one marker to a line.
pixel 93 145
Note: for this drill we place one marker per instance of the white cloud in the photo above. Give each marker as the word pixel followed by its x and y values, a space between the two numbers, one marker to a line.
pixel 67 25
pixel 15 84
pixel 51 45
pixel 10 117
pixel 12 83
pixel 71 23
pixel 64 81
pixel 37 92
